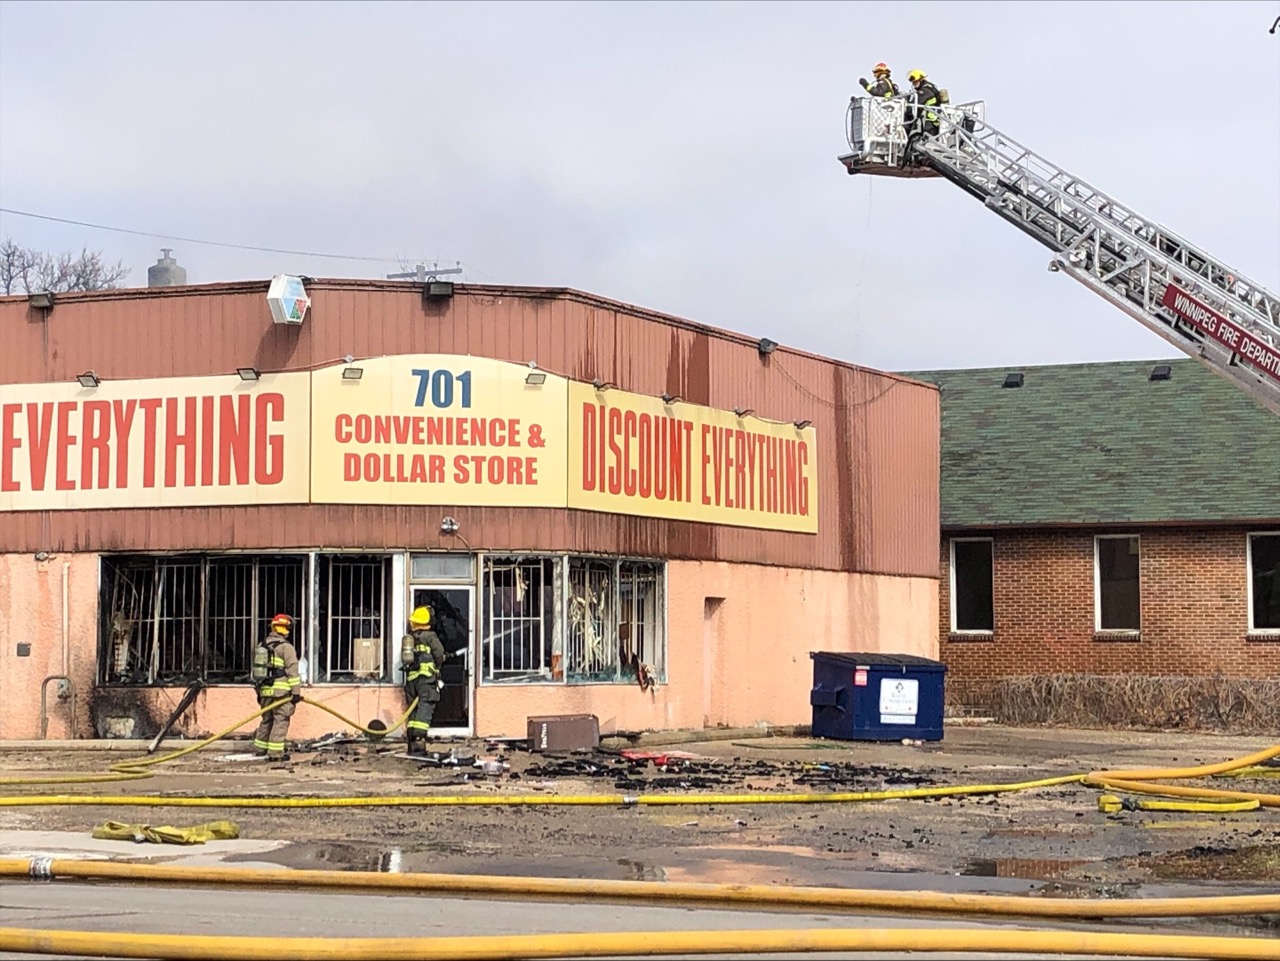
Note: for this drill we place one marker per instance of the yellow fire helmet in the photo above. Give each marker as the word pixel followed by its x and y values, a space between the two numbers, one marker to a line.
pixel 915 75
pixel 420 618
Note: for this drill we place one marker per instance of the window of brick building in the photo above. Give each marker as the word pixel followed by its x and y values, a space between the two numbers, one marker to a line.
pixel 1264 583
pixel 1117 596
pixel 972 586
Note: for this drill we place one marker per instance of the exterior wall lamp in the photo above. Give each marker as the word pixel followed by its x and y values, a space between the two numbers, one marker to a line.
pixel 352 373
pixel 602 385
pixel 743 411
pixel 802 424
pixel 41 299
pixel 89 379
pixel 766 346
pixel 248 373
pixel 670 399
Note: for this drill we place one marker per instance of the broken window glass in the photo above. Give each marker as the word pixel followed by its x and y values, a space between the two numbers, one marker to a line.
pixel 174 619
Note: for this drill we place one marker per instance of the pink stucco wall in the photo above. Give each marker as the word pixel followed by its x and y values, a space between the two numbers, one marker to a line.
pixel 739 638
pixel 31 619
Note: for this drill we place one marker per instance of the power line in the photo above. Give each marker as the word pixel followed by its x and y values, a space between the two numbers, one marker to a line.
pixel 192 240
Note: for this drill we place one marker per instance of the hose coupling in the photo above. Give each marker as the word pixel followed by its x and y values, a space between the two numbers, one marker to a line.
pixel 630 800
pixel 41 869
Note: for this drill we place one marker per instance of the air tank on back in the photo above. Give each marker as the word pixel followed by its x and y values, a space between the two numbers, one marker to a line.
pixel 165 272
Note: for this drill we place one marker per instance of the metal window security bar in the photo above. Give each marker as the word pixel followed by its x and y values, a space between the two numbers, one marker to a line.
pixel 592 653
pixel 640 621
pixel 519 618
pixel 614 622
pixel 177 618
pixel 243 595
pixel 354 601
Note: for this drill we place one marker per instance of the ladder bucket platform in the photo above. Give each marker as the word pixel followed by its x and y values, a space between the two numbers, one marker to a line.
pixel 1202 306
pixel 877 133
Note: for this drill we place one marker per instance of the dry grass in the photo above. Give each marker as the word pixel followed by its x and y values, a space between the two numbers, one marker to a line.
pixel 1214 703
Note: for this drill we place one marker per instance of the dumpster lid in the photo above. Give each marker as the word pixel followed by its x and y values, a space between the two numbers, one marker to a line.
pixel 900 661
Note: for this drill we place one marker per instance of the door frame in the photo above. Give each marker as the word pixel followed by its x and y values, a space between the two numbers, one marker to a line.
pixel 471 650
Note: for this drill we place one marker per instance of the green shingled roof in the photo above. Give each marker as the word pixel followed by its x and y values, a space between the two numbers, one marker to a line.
pixel 1104 444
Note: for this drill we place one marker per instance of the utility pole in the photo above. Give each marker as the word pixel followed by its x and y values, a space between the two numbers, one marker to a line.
pixel 422 273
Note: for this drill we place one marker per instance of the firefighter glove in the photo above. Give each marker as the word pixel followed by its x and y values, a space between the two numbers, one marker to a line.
pixel 297 698
pixel 862 82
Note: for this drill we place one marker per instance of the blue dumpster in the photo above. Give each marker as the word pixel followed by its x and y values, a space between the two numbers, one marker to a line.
pixel 877 697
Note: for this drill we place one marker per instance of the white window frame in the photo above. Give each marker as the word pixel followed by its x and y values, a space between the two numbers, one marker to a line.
pixel 1097 587
pixel 952 594
pixel 1270 633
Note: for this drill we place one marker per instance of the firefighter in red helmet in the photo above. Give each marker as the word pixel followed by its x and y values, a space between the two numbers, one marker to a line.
pixel 275 675
pixel 884 86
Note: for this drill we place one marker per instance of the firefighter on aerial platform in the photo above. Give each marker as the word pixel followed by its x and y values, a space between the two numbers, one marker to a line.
pixel 421 657
pixel 884 86
pixel 275 675
pixel 926 96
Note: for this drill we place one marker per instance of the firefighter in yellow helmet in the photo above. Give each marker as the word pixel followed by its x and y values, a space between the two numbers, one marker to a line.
pixel 421 657
pixel 884 86
pixel 926 96
pixel 275 675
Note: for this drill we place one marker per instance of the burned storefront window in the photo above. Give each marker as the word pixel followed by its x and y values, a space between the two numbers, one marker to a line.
pixel 173 619
pixel 354 600
pixel 580 620
pixel 519 618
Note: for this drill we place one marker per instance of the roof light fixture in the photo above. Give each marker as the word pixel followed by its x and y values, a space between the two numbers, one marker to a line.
pixel 89 379
pixel 248 373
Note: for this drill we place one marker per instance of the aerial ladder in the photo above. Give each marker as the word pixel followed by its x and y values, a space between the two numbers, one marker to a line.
pixel 1194 301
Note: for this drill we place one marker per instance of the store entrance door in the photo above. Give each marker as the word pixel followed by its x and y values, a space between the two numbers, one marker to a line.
pixel 451 620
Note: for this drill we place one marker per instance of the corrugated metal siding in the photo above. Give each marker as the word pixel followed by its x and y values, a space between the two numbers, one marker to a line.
pixel 878 434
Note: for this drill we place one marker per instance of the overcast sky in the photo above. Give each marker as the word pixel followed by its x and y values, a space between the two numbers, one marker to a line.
pixel 680 156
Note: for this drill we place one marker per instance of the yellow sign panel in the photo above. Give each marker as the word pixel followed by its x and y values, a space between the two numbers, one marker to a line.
pixel 418 429
pixel 633 454
pixel 438 429
pixel 166 442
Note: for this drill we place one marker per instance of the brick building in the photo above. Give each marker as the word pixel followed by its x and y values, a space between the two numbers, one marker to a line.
pixel 1106 519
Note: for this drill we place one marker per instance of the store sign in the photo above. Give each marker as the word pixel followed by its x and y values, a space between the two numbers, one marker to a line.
pixel 167 442
pixel 438 429
pixel 634 454
pixel 420 429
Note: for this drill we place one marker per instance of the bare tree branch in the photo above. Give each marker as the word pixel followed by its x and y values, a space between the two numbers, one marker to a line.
pixel 24 270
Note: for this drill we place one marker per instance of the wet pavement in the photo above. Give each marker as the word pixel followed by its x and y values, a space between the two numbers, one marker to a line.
pixel 1051 843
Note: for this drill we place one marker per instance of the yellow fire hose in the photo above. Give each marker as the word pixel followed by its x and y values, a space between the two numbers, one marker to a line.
pixel 591 890
pixel 1137 782
pixel 631 944
pixel 139 768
